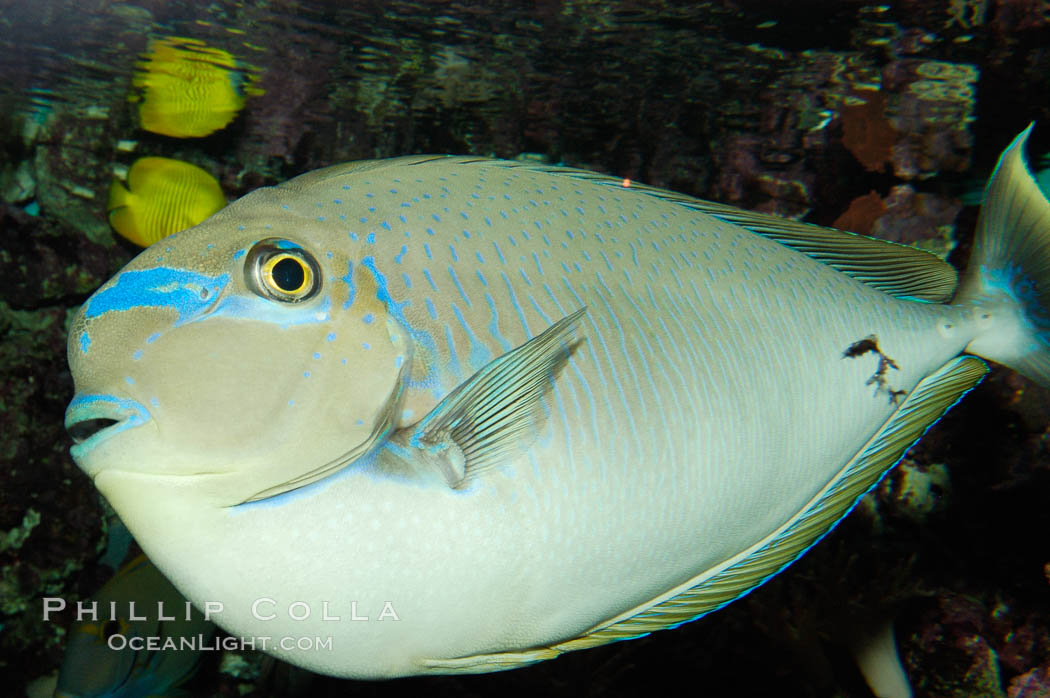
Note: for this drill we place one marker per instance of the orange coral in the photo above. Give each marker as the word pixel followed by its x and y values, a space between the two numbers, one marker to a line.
pixel 866 132
pixel 861 214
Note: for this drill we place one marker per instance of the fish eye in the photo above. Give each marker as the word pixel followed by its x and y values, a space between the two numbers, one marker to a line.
pixel 286 273
pixel 107 629
pixel 282 270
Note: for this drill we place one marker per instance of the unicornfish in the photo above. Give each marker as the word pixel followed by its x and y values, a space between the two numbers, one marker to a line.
pixel 441 414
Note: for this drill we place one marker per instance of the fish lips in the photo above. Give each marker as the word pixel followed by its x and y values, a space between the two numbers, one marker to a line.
pixel 94 419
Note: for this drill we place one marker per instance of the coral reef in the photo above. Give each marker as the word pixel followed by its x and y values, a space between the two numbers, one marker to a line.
pixel 866 132
pixel 924 220
pixel 862 213
pixel 966 13
pixel 932 111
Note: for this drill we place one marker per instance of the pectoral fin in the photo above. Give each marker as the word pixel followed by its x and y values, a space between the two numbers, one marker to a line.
pixel 495 414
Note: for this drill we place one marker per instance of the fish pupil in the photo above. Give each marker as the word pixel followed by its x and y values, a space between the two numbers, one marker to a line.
pixel 109 629
pixel 288 274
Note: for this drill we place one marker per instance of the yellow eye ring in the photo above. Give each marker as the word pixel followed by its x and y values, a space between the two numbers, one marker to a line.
pixel 287 275
pixel 283 271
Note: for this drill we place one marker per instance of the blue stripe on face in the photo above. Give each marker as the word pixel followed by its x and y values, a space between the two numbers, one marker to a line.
pixel 187 293
pixel 193 296
pixel 349 280
pixel 395 309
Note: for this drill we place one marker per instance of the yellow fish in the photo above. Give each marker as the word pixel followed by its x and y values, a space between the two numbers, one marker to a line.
pixel 109 654
pixel 166 196
pixel 190 89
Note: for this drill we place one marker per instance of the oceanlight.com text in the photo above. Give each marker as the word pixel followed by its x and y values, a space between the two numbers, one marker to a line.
pixel 204 643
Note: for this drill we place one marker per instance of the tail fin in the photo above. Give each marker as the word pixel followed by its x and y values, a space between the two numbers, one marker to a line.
pixel 1008 277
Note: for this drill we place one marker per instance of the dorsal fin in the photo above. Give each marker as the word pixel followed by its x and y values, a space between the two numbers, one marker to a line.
pixel 899 270
pixel 716 587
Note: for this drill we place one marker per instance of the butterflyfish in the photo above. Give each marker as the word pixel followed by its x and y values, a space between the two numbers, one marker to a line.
pixel 138 637
pixel 187 89
pixel 163 196
pixel 456 415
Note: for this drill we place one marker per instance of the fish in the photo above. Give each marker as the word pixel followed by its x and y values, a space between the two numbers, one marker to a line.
pixel 165 197
pixel 441 415
pixel 970 191
pixel 95 664
pixel 187 89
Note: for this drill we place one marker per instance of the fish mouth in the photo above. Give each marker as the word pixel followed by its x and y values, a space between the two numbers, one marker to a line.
pixel 93 419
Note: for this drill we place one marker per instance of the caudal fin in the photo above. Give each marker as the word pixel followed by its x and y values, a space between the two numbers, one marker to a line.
pixel 1008 277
